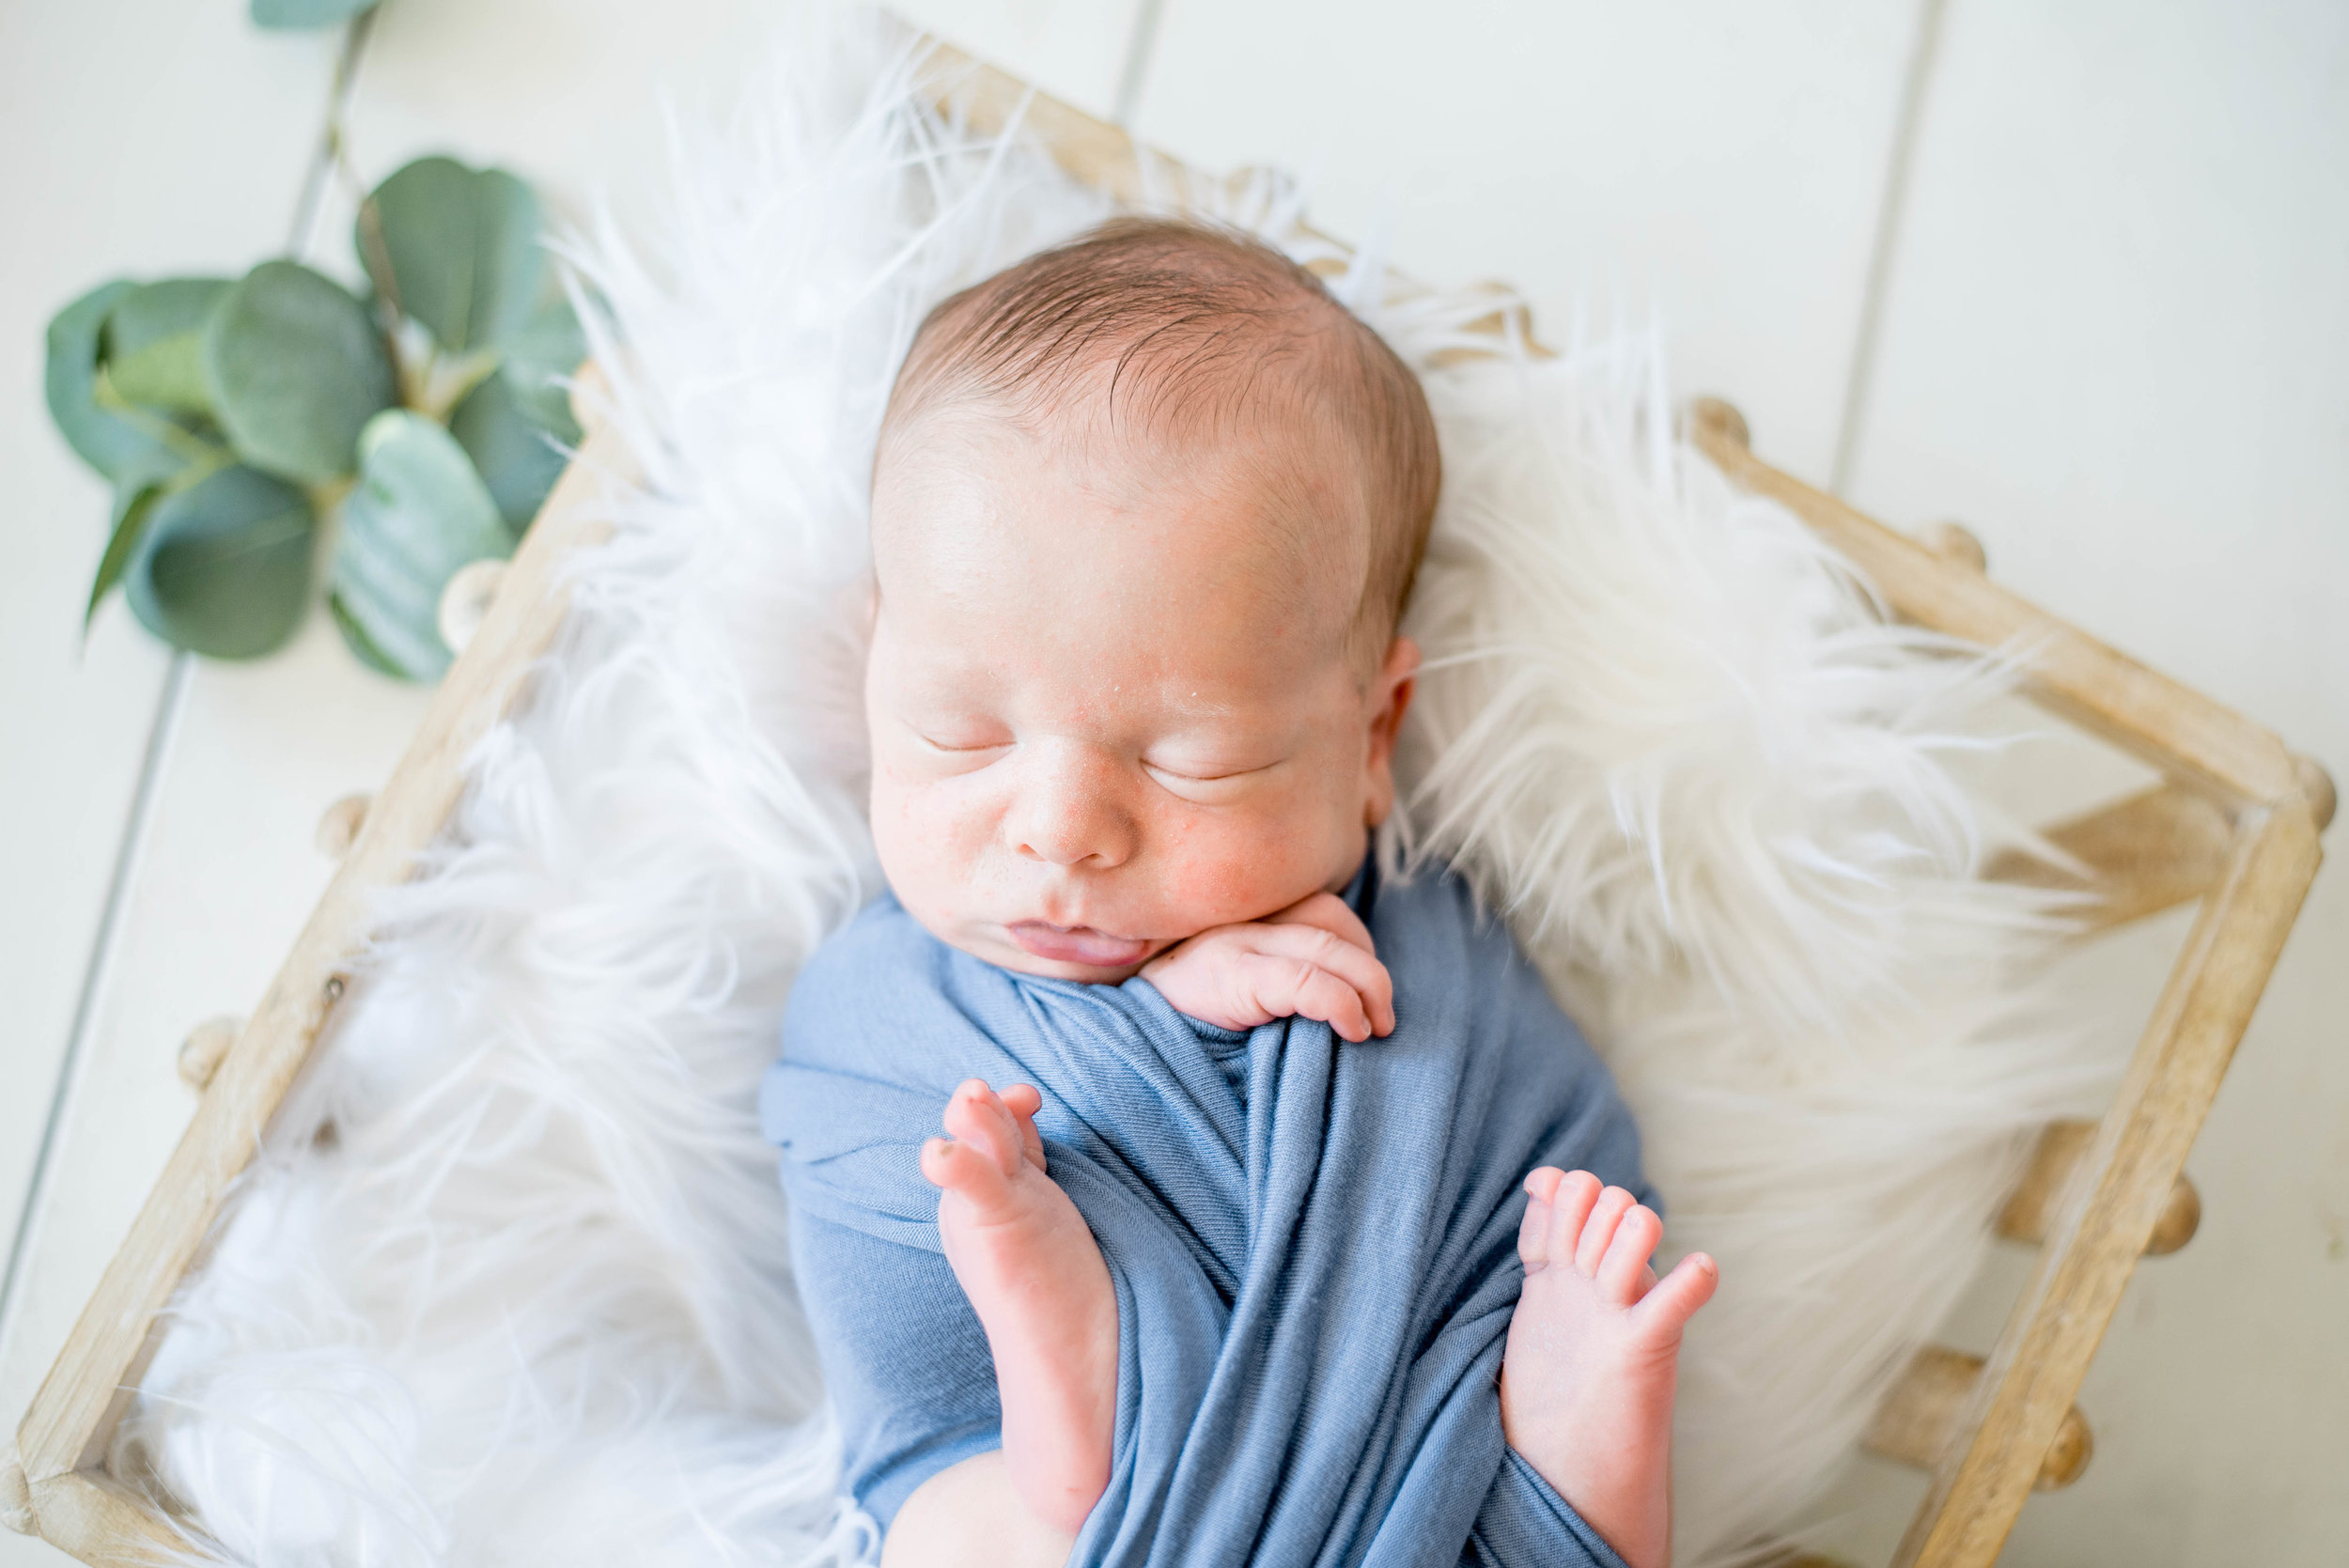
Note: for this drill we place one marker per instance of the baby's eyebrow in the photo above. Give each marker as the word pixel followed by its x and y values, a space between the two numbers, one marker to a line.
pixel 1192 705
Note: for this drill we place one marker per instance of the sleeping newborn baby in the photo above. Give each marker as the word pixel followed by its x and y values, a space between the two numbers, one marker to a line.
pixel 1280 1217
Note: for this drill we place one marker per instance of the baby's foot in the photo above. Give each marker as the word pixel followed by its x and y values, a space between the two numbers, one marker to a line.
pixel 1587 1382
pixel 1035 1275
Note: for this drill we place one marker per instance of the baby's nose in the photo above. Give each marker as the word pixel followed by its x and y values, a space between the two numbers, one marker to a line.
pixel 1072 809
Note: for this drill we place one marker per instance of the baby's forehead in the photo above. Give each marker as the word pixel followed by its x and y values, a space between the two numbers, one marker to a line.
pixel 990 517
pixel 1071 473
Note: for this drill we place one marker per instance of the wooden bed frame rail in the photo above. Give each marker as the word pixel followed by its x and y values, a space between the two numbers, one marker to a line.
pixel 2234 824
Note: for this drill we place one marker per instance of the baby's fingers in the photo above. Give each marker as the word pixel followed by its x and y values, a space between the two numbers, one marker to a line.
pixel 976 1116
pixel 1317 946
pixel 1292 986
pixel 1023 1101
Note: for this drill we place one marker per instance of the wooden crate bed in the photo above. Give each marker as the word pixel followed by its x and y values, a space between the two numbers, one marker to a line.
pixel 2233 824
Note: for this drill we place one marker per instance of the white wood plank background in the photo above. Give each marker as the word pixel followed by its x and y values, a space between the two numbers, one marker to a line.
pixel 2117 346
pixel 2112 338
pixel 1712 163
pixel 102 179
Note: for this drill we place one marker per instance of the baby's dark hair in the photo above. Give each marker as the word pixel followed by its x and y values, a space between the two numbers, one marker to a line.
pixel 1200 328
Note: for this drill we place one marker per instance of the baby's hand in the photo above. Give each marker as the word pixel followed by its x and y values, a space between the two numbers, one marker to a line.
pixel 1312 959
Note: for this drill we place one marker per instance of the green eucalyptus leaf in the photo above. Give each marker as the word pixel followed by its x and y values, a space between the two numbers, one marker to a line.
pixel 512 445
pixel 133 507
pixel 153 343
pixel 362 646
pixel 126 445
pixel 548 348
pixel 515 425
pixel 290 15
pixel 224 567
pixel 296 370
pixel 419 513
pixel 455 250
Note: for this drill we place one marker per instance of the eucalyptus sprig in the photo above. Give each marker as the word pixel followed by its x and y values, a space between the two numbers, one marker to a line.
pixel 231 415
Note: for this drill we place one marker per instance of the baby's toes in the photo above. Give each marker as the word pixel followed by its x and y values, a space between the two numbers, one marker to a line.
pixel 1622 1274
pixel 1674 1300
pixel 1570 1204
pixel 977 1117
pixel 962 1168
pixel 1533 1230
pixel 1599 1232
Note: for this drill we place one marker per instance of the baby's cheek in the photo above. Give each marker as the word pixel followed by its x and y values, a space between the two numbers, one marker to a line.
pixel 1223 871
pixel 919 834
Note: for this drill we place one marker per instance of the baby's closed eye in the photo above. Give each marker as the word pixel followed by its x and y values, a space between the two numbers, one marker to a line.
pixel 1204 779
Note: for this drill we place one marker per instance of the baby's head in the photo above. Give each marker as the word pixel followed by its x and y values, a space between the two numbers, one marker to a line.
pixel 1146 511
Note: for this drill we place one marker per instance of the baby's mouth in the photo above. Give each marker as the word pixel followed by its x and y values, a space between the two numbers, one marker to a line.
pixel 1078 944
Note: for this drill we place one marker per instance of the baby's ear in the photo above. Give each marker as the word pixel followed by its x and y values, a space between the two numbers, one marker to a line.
pixel 1397 679
pixel 1389 698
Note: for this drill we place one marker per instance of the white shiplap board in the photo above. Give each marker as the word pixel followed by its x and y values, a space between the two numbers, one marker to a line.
pixel 1715 162
pixel 2117 346
pixel 170 141
pixel 1075 50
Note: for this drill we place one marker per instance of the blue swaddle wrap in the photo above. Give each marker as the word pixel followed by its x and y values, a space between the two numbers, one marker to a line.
pixel 1313 1243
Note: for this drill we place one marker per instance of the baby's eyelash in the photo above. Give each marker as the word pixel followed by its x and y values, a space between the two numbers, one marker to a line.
pixel 958 751
pixel 1201 778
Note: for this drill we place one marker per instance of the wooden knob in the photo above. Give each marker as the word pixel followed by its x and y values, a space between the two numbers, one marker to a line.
pixel 201 1053
pixel 466 600
pixel 1719 417
pixel 1263 183
pixel 2181 1216
pixel 16 1493
pixel 1955 542
pixel 339 824
pixel 1512 314
pixel 2316 787
pixel 2031 1210
pixel 2068 1456
pixel 1919 1419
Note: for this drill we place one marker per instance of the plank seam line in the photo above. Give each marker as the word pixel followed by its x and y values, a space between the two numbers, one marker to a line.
pixel 134 832
pixel 1884 250
pixel 1140 43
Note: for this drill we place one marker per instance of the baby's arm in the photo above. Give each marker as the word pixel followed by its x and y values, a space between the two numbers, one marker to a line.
pixel 1312 959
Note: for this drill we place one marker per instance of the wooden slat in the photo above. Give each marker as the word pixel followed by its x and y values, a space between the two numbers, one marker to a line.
pixel 71 1419
pixel 2145 854
pixel 1092 151
pixel 2141 1146
pixel 2182 733
pixel 2031 1209
pixel 104 1524
pixel 1920 1416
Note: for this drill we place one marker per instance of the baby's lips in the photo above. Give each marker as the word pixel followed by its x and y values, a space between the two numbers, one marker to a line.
pixel 1078 944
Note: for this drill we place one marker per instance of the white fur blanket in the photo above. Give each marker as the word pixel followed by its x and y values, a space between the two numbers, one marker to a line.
pixel 508 1284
